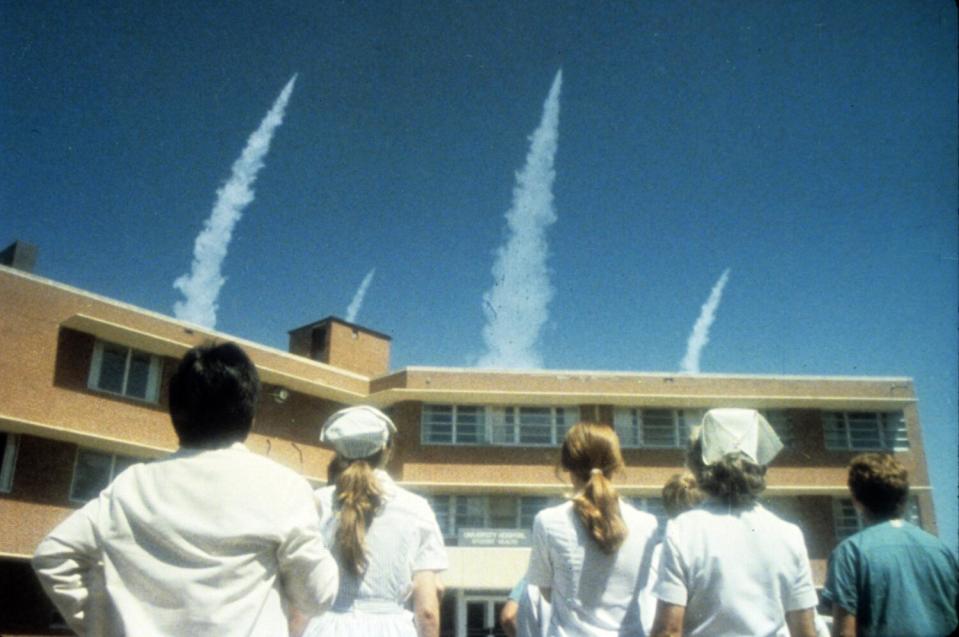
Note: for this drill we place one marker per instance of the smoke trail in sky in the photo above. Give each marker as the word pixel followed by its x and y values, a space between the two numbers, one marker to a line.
pixel 516 305
pixel 357 302
pixel 699 337
pixel 202 286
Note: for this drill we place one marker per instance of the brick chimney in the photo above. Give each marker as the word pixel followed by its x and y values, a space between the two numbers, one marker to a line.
pixel 345 345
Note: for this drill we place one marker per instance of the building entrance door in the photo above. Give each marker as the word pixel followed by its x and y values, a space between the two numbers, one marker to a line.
pixel 478 615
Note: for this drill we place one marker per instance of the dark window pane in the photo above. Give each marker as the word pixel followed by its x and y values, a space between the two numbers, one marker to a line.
pixel 112 366
pixel 92 475
pixel 122 463
pixel 139 375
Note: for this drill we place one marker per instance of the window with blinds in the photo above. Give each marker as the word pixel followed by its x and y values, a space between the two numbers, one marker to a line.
pixel 865 430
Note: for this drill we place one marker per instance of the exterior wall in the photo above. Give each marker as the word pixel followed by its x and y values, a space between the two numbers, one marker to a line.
pixel 49 335
pixel 358 350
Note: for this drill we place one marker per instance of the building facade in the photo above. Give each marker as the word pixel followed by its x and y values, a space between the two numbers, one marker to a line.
pixel 84 395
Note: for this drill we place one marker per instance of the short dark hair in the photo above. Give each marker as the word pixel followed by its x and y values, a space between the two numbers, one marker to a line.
pixel 880 483
pixel 734 481
pixel 213 395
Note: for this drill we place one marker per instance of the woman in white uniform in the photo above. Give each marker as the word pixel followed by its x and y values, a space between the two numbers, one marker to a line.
pixel 385 539
pixel 591 555
pixel 730 567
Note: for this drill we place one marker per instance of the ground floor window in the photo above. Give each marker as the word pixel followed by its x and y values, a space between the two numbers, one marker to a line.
pixel 94 470
pixel 847 520
pixel 8 459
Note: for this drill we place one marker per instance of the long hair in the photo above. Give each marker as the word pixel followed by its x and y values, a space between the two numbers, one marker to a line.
pixel 734 481
pixel 357 498
pixel 591 453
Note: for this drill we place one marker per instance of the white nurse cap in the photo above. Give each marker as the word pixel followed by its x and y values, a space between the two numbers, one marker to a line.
pixel 357 432
pixel 745 431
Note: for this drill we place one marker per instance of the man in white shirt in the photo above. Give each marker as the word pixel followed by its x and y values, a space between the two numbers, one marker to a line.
pixel 212 540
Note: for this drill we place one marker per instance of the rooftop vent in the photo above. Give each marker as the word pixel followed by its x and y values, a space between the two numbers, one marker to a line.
pixel 19 255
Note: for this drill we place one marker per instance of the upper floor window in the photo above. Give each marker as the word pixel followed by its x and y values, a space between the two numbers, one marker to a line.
pixel 532 425
pixel 453 424
pixel 655 428
pixel 456 512
pixel 479 425
pixel 124 371
pixel 847 520
pixel 94 471
pixel 781 422
pixel 8 459
pixel 864 430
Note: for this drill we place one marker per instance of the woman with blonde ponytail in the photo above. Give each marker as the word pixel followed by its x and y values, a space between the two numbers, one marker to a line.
pixel 591 555
pixel 385 539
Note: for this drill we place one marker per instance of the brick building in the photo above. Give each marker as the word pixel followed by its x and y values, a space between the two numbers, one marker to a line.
pixel 83 395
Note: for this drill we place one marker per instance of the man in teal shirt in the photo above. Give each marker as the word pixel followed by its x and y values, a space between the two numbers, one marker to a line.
pixel 891 578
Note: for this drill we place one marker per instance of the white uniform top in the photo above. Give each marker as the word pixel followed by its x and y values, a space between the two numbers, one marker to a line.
pixel 403 538
pixel 214 542
pixel 736 573
pixel 532 616
pixel 592 593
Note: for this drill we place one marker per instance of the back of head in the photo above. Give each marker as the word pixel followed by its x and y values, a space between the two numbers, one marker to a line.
pixel 681 494
pixel 591 453
pixel 880 483
pixel 734 480
pixel 213 396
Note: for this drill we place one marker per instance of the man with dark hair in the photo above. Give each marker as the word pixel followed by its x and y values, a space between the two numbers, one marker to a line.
pixel 891 578
pixel 212 540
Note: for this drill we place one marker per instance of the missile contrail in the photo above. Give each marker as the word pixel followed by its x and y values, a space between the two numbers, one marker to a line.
pixel 357 302
pixel 202 286
pixel 516 307
pixel 699 337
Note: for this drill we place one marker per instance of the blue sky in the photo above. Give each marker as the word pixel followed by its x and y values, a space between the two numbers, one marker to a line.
pixel 809 147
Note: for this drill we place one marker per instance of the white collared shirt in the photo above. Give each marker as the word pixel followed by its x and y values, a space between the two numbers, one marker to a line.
pixel 204 542
pixel 402 538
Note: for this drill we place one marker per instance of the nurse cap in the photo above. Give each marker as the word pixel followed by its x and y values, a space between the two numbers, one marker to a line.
pixel 357 432
pixel 726 431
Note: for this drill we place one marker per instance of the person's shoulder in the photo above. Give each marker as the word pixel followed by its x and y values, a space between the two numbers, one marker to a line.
pixel 409 500
pixel 637 519
pixel 558 513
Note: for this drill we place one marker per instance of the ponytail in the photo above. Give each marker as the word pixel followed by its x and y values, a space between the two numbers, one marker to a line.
pixel 591 453
pixel 357 498
pixel 598 508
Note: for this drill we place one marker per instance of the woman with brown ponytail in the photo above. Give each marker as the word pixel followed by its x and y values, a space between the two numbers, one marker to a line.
pixel 591 554
pixel 385 539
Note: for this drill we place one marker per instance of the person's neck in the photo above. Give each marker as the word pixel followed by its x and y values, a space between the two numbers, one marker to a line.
pixel 873 520
pixel 208 445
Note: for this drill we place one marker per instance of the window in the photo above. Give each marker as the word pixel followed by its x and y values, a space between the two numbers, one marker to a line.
pixel 94 471
pixel 479 425
pixel 848 521
pixel 455 512
pixel 781 422
pixel 532 426
pixel 453 424
pixel 120 370
pixel 8 459
pixel 862 430
pixel 655 428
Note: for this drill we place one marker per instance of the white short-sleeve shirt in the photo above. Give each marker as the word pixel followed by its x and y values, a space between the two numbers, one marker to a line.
pixel 403 538
pixel 735 573
pixel 593 593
